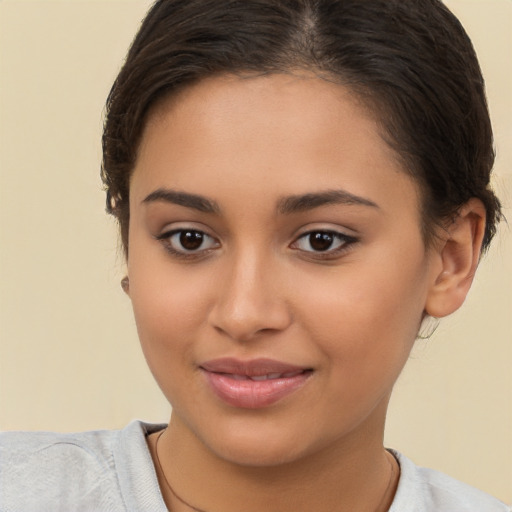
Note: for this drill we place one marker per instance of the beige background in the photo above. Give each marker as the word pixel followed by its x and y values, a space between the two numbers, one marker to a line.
pixel 69 356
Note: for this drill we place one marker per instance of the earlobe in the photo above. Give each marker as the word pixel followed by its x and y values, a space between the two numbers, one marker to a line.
pixel 459 255
pixel 125 285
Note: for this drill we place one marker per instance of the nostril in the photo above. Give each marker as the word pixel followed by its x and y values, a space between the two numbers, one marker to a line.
pixel 244 325
pixel 248 304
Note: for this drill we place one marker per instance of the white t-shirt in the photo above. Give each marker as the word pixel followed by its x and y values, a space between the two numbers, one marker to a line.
pixel 112 470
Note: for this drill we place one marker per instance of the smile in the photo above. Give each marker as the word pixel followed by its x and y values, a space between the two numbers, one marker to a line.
pixel 269 376
pixel 253 384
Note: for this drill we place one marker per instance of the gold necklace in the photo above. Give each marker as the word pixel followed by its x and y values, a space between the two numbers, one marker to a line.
pixel 191 507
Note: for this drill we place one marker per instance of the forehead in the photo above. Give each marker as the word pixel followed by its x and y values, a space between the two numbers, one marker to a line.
pixel 279 133
pixel 300 102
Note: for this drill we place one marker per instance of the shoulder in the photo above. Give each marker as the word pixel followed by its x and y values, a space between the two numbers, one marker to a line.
pixel 426 490
pixel 52 447
pixel 82 471
pixel 43 469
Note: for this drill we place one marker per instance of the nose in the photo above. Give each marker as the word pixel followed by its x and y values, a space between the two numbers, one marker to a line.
pixel 250 300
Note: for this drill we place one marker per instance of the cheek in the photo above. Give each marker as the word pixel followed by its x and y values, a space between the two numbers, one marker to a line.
pixel 169 312
pixel 365 335
pixel 369 315
pixel 170 307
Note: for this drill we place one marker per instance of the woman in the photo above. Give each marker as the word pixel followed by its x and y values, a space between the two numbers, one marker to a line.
pixel 300 186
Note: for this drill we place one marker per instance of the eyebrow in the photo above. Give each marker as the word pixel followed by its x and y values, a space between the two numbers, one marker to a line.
pixel 286 206
pixel 193 201
pixel 301 203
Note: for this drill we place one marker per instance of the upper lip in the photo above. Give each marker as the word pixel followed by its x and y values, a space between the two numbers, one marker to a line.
pixel 251 368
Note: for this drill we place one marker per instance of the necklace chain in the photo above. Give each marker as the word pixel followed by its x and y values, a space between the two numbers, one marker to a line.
pixel 191 507
pixel 167 481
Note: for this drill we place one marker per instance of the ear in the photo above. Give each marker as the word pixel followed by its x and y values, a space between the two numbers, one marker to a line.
pixel 459 253
pixel 125 285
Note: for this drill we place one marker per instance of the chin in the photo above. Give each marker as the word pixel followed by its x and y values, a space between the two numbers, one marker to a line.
pixel 259 445
pixel 259 454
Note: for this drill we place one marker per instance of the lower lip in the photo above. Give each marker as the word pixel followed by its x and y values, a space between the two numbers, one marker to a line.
pixel 253 394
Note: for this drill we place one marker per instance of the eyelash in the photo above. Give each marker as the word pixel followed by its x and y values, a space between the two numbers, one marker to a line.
pixel 166 240
pixel 345 242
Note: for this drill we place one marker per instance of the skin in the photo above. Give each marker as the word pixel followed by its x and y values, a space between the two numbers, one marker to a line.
pixel 257 288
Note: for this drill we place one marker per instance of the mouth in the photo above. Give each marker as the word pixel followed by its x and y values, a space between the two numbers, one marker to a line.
pixel 259 378
pixel 253 384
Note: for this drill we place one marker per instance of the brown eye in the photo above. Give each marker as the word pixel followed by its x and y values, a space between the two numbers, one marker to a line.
pixel 191 240
pixel 187 242
pixel 321 240
pixel 330 243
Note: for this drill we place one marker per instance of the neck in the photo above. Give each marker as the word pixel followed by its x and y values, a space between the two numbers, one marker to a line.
pixel 356 475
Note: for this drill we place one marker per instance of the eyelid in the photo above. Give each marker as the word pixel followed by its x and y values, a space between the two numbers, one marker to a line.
pixel 180 225
pixel 338 233
pixel 165 238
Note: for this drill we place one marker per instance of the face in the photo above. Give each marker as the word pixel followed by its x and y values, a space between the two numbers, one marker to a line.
pixel 277 269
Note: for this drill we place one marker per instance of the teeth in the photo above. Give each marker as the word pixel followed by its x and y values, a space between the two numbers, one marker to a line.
pixel 265 377
pixel 273 376
pixel 238 377
pixel 291 374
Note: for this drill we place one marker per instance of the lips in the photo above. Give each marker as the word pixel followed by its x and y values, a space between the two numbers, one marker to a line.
pixel 253 384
